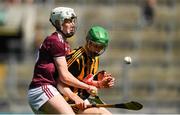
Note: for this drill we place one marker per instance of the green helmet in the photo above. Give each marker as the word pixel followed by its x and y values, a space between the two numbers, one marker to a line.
pixel 98 35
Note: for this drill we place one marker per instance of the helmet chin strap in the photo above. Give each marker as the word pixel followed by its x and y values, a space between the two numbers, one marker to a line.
pixel 67 35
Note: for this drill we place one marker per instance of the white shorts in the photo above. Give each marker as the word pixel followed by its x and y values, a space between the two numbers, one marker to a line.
pixel 40 95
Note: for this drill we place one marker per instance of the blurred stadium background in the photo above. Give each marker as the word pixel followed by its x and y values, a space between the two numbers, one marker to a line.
pixel 152 79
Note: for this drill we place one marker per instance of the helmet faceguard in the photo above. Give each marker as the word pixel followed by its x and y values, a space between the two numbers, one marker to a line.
pixel 94 49
pixel 59 15
pixel 97 41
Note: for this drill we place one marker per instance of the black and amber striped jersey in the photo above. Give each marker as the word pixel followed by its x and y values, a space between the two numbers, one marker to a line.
pixel 80 65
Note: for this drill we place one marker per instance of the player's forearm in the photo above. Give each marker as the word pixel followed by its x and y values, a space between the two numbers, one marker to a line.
pixel 96 84
pixel 71 95
pixel 69 79
pixel 66 91
pixel 89 79
pixel 65 76
pixel 62 88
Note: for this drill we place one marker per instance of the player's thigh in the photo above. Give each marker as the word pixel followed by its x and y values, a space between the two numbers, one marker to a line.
pixel 57 105
pixel 95 110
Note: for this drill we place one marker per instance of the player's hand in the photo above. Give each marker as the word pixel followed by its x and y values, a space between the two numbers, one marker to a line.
pixel 106 82
pixel 92 90
pixel 101 75
pixel 80 104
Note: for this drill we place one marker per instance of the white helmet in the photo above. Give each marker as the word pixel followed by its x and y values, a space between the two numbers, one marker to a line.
pixel 61 13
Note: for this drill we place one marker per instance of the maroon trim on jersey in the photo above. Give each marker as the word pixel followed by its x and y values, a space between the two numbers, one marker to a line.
pixel 47 91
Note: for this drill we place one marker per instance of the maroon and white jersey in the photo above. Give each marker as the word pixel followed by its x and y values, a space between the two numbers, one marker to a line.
pixel 45 70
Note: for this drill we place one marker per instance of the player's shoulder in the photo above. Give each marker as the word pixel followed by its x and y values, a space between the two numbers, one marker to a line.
pixel 80 49
pixel 76 53
pixel 55 37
